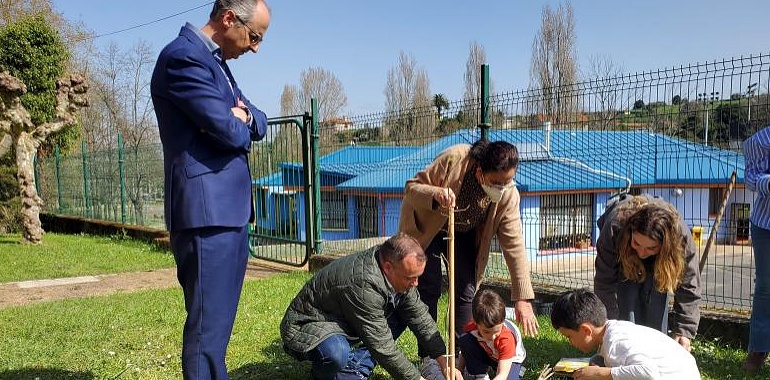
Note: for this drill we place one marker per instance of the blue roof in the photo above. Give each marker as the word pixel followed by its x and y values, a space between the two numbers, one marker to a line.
pixel 270 180
pixel 573 160
pixel 365 154
pixel 645 158
pixel 355 160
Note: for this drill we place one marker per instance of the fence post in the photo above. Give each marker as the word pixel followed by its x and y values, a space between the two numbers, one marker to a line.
pixel 122 166
pixel 86 182
pixel 57 162
pixel 485 122
pixel 314 136
pixel 308 186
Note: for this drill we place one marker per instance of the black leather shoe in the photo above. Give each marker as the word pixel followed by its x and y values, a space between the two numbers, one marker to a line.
pixel 754 361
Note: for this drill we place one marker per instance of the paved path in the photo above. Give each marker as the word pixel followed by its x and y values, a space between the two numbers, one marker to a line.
pixel 29 292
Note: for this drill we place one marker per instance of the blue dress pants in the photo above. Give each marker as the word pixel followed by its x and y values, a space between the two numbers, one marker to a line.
pixel 211 264
pixel 759 325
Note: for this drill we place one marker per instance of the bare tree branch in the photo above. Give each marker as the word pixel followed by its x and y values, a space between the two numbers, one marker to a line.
pixel 323 85
pixel 553 67
pixel 408 101
pixel 604 77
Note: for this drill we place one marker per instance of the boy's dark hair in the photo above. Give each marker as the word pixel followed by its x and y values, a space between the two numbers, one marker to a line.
pixel 488 308
pixel 575 307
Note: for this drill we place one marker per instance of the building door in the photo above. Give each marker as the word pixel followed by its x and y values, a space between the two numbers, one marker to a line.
pixel 739 223
pixel 285 222
pixel 366 208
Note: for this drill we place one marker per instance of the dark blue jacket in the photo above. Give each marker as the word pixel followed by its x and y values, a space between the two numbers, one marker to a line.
pixel 205 147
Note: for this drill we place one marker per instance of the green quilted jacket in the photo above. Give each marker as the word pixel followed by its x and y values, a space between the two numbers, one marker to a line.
pixel 351 297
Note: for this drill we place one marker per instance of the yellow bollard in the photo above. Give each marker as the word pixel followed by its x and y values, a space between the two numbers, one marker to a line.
pixel 697 232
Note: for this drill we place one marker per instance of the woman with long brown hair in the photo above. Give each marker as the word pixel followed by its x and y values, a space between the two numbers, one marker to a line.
pixel 645 253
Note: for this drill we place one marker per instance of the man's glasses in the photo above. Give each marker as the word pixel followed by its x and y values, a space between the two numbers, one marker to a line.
pixel 254 37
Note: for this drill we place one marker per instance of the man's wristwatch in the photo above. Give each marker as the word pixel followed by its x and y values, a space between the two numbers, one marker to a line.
pixel 248 114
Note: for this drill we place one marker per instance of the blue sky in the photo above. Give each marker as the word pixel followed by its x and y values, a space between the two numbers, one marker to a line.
pixel 359 40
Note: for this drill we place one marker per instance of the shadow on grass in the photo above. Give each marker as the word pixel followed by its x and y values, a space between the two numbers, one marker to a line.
pixel 44 373
pixel 276 365
pixel 279 365
pixel 10 240
pixel 543 350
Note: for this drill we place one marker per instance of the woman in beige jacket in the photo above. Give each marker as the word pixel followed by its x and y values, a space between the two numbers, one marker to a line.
pixel 478 179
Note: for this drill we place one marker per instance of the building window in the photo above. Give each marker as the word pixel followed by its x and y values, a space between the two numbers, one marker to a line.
pixel 368 224
pixel 715 200
pixel 334 211
pixel 565 221
pixel 262 203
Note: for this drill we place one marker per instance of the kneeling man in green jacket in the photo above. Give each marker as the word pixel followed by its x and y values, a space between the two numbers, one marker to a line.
pixel 346 319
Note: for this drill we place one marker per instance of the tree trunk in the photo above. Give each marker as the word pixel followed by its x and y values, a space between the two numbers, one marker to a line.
pixel 30 201
pixel 27 137
pixel 138 204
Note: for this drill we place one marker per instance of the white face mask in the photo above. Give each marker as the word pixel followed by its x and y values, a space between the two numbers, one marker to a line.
pixel 494 193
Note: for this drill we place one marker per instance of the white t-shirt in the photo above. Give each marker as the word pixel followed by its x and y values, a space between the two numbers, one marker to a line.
pixel 637 352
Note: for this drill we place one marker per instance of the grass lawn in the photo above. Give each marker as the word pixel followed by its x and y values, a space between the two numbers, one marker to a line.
pixel 138 335
pixel 76 255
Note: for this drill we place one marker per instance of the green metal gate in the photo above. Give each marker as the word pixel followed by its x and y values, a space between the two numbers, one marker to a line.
pixel 285 191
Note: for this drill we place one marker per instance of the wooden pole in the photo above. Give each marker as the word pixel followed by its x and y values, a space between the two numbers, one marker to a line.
pixel 713 233
pixel 451 275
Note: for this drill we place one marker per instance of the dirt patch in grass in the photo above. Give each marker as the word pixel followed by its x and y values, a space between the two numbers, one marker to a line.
pixel 13 294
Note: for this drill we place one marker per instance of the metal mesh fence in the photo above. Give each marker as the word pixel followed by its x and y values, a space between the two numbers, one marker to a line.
pixel 280 192
pixel 121 185
pixel 674 133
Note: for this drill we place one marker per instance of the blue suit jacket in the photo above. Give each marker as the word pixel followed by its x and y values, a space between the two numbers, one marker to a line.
pixel 205 147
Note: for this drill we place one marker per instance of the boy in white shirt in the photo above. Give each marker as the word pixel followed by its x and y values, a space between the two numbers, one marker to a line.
pixel 629 351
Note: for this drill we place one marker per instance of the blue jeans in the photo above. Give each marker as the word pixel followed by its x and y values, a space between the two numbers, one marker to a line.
pixel 335 359
pixel 641 303
pixel 477 361
pixel 759 326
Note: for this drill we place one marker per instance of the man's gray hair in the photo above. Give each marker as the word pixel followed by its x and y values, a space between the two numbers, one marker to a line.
pixel 242 8
pixel 395 249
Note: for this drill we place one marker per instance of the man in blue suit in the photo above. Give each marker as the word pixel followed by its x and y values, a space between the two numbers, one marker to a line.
pixel 206 127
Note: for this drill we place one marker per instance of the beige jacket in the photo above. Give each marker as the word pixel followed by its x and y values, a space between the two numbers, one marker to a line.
pixel 423 222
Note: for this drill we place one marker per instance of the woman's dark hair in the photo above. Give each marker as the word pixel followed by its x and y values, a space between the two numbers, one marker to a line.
pixel 498 156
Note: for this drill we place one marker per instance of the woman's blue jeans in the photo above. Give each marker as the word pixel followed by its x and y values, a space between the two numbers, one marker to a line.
pixel 759 326
pixel 335 359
